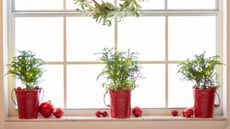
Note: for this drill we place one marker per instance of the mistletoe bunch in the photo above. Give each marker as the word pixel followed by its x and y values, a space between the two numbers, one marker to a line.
pixel 104 12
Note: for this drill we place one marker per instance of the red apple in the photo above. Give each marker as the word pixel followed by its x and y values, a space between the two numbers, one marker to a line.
pixel 174 112
pixel 104 114
pixel 98 114
pixel 46 109
pixel 137 111
pixel 58 112
pixel 188 112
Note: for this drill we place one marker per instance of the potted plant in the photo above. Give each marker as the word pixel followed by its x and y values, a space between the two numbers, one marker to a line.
pixel 202 71
pixel 121 71
pixel 27 68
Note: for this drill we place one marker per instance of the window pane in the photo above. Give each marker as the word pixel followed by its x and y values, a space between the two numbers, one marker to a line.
pixel 53 84
pixel 180 92
pixel 152 4
pixel 191 4
pixel 85 37
pixel 145 35
pixel 39 4
pixel 43 36
pixel 191 35
pixel 83 90
pixel 151 90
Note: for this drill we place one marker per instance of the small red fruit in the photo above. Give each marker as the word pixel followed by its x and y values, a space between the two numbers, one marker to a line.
pixel 188 112
pixel 174 112
pixel 104 114
pixel 98 114
pixel 137 112
pixel 46 109
pixel 58 112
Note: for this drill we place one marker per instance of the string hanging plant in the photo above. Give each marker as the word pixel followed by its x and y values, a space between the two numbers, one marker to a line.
pixel 105 11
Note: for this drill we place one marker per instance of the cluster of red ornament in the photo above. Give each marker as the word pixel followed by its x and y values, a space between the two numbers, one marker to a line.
pixel 188 113
pixel 46 109
pixel 136 111
pixel 101 113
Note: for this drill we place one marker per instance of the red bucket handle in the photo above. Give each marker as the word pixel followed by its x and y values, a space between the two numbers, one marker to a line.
pixel 217 105
pixel 107 105
pixel 13 91
pixel 41 90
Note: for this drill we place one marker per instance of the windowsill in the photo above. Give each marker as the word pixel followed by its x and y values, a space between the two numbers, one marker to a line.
pixel 92 122
pixel 93 118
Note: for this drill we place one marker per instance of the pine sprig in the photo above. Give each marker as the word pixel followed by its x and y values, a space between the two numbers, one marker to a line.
pixel 27 68
pixel 121 69
pixel 201 70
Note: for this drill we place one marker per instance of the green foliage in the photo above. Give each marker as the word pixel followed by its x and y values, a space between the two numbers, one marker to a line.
pixel 105 11
pixel 121 69
pixel 201 70
pixel 27 68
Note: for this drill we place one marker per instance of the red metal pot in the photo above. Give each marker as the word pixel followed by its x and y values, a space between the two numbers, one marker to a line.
pixel 28 103
pixel 120 103
pixel 204 102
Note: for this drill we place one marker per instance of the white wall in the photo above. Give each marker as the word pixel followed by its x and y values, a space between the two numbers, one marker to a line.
pixel 1 68
pixel 107 124
pixel 228 67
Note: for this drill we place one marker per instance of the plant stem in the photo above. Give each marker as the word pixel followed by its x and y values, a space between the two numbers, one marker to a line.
pixel 96 2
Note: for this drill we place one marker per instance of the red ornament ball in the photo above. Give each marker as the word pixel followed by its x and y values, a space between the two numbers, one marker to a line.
pixel 104 114
pixel 98 114
pixel 58 112
pixel 188 112
pixel 46 109
pixel 137 111
pixel 174 112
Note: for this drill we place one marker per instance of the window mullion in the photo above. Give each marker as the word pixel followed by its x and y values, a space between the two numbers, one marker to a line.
pixel 115 30
pixel 217 4
pixel 166 4
pixel 65 60
pixel 166 62
pixel 64 4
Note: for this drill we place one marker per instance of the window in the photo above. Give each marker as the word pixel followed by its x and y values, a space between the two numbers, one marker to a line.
pixel 168 32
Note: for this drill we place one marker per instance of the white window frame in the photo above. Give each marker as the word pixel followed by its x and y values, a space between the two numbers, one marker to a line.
pixel 12 13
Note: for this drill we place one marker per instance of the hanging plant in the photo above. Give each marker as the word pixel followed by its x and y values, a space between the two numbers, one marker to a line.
pixel 104 12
